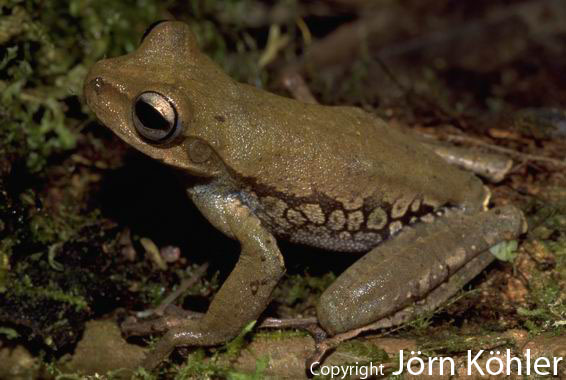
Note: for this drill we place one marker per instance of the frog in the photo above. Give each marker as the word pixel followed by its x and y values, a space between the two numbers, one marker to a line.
pixel 263 167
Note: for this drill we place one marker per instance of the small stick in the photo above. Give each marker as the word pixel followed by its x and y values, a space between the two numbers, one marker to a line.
pixel 185 284
pixel 510 152
pixel 295 84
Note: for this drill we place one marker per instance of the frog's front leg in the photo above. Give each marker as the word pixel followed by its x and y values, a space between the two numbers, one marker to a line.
pixel 411 265
pixel 246 292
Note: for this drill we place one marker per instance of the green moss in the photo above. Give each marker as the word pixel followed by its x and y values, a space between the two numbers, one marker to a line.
pixel 200 366
pixel 46 49
pixel 452 343
pixel 49 46
pixel 24 287
pixel 234 347
pixel 280 334
pixel 299 288
pixel 546 310
pixel 365 352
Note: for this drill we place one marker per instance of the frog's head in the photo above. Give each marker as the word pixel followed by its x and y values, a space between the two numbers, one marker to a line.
pixel 166 98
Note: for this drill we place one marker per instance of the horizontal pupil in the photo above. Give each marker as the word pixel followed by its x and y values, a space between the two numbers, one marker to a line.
pixel 150 117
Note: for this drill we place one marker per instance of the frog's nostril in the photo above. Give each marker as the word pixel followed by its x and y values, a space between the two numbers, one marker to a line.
pixel 98 83
pixel 95 85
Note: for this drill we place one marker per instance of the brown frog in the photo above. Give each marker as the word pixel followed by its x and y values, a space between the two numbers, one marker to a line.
pixel 261 166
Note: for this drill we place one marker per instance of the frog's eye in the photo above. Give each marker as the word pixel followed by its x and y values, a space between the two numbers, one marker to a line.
pixel 155 117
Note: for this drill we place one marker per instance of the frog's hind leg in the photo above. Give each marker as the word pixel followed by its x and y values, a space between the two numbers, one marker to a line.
pixel 432 301
pixel 425 264
pixel 437 296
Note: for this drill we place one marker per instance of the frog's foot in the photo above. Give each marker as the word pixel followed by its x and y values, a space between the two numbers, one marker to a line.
pixel 187 333
pixel 181 332
pixel 310 325
pixel 173 316
pixel 414 272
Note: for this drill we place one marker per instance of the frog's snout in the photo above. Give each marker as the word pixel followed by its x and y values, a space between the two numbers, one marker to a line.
pixel 104 95
pixel 97 87
pixel 103 83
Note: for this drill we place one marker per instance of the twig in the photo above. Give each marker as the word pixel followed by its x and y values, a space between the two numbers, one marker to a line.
pixel 185 284
pixel 295 84
pixel 510 152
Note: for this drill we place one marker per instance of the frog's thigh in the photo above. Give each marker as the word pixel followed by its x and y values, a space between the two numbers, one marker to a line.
pixel 407 267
